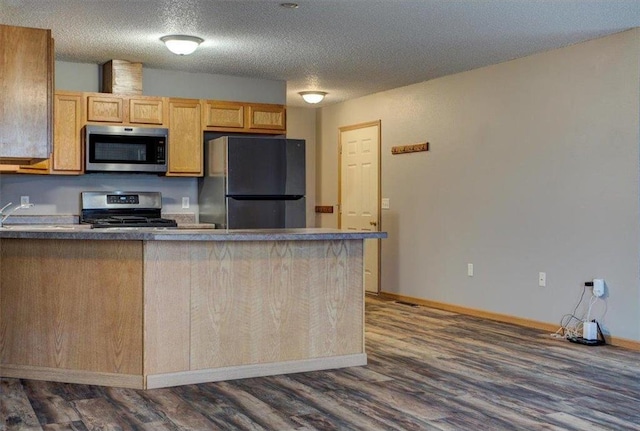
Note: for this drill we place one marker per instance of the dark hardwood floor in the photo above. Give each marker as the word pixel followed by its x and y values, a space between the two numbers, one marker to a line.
pixel 428 370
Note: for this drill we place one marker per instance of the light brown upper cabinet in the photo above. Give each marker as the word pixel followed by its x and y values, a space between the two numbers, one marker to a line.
pixel 147 110
pixel 26 94
pixel 66 158
pixel 67 134
pixel 120 109
pixel 239 117
pixel 219 114
pixel 105 108
pixel 266 118
pixel 185 138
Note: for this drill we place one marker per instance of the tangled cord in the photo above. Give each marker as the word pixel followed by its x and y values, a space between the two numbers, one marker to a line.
pixel 571 324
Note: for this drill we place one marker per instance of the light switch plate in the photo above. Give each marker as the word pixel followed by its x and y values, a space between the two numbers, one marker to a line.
pixel 185 202
pixel 385 203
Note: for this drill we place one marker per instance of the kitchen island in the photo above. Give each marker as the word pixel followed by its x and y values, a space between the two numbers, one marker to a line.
pixel 149 308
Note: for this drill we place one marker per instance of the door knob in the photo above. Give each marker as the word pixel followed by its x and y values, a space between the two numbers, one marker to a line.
pixel 373 223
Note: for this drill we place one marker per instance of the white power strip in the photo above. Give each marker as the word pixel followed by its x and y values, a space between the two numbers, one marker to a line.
pixel 590 330
pixel 598 287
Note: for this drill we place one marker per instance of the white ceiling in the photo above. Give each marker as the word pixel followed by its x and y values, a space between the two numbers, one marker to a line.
pixel 348 48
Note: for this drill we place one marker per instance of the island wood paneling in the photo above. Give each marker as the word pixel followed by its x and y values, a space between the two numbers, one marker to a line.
pixel 166 306
pixel 275 301
pixel 71 305
pixel 85 311
pixel 254 302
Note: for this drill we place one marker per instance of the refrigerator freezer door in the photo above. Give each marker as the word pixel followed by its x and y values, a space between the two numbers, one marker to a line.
pixel 265 213
pixel 265 167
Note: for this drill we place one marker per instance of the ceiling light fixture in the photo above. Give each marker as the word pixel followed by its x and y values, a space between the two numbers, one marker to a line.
pixel 289 5
pixel 313 96
pixel 181 44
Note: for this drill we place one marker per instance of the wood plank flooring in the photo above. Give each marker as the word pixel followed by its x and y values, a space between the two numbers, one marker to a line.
pixel 428 370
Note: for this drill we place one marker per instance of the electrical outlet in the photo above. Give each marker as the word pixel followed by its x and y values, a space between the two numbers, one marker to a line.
pixel 24 200
pixel 542 279
pixel 470 269
pixel 185 202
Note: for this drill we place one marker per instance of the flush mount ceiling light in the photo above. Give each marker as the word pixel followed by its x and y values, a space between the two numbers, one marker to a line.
pixel 313 96
pixel 181 44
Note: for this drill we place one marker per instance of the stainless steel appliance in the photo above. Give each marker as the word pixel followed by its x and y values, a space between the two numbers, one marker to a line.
pixel 126 149
pixel 253 183
pixel 123 209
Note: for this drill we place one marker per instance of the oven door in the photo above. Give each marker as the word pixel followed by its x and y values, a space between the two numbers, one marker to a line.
pixel 125 149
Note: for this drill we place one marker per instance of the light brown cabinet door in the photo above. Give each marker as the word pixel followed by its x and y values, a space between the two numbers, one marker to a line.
pixel 66 158
pixel 26 88
pixel 146 111
pixel 223 114
pixel 270 117
pixel 239 117
pixel 67 142
pixel 105 109
pixel 122 109
pixel 185 138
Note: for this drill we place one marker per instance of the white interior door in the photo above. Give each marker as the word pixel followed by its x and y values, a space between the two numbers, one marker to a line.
pixel 360 191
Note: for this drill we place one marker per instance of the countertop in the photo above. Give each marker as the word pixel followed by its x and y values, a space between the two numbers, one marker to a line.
pixel 84 232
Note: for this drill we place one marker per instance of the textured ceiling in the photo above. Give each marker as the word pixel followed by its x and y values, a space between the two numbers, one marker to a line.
pixel 348 48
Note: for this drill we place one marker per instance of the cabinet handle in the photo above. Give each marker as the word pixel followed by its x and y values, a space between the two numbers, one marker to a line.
pixel 373 223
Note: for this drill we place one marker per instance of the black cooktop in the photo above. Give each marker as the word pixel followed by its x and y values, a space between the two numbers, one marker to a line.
pixel 131 221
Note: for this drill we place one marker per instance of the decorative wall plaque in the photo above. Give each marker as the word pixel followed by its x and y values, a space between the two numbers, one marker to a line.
pixel 413 148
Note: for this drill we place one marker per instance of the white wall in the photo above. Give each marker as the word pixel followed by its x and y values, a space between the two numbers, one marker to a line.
pixel 301 124
pixel 533 167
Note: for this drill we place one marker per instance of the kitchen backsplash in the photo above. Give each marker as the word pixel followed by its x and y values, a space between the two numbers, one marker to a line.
pixel 60 195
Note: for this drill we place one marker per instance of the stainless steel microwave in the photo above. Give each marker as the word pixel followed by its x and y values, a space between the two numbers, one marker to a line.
pixel 126 149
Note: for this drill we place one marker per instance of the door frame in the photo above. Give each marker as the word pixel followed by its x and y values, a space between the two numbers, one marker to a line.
pixel 378 124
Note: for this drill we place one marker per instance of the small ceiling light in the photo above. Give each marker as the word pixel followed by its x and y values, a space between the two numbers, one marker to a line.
pixel 313 96
pixel 289 5
pixel 180 44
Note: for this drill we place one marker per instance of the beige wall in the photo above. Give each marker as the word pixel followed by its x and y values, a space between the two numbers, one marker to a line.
pixel 301 124
pixel 533 167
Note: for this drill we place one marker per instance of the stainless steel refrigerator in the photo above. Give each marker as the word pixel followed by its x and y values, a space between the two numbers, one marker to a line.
pixel 253 183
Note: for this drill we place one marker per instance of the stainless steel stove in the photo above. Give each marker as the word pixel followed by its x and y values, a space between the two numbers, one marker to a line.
pixel 123 209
